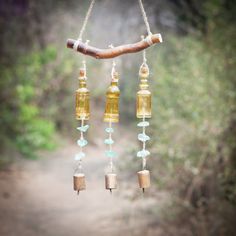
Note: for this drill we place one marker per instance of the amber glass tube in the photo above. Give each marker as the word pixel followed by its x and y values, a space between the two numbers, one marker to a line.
pixel 144 97
pixel 82 98
pixel 112 101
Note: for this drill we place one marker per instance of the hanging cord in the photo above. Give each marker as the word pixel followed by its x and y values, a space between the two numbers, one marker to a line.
pixel 144 146
pixel 144 58
pixel 85 68
pixel 145 17
pixel 110 147
pixel 89 14
pixel 77 42
pixel 113 69
pixel 79 165
pixel 113 64
pixel 110 123
pixel 84 61
pixel 144 55
pixel 81 133
pixel 86 20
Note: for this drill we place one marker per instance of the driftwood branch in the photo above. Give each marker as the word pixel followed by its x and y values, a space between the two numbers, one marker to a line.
pixel 81 47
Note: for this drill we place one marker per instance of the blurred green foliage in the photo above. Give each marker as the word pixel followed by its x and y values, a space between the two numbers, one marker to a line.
pixel 22 123
pixel 189 111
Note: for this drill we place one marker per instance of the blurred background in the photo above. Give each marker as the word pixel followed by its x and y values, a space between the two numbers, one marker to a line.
pixel 193 128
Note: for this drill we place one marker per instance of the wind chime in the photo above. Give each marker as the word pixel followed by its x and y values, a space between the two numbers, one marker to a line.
pixel 111 115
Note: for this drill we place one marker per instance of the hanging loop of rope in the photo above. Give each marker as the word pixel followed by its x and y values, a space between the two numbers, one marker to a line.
pixel 86 20
pixel 84 62
pixel 144 53
pixel 88 14
pixel 145 17
pixel 113 70
pixel 110 147
pixel 144 58
pixel 98 53
pixel 113 65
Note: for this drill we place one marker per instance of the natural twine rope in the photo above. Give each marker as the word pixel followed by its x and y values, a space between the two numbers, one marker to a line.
pixel 88 14
pixel 145 17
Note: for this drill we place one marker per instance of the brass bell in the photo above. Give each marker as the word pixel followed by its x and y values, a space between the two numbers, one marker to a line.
pixel 110 181
pixel 144 179
pixel 79 182
pixel 144 100
pixel 82 98
pixel 112 100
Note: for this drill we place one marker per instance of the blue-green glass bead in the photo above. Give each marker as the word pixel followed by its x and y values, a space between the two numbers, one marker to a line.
pixel 143 137
pixel 143 153
pixel 108 141
pixel 82 142
pixel 143 124
pixel 79 156
pixel 109 130
pixel 110 153
pixel 83 128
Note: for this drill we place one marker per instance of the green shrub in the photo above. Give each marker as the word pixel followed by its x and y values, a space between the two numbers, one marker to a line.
pixel 22 122
pixel 188 110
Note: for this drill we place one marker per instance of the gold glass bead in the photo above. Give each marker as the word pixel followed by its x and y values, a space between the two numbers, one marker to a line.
pixel 112 101
pixel 144 98
pixel 82 98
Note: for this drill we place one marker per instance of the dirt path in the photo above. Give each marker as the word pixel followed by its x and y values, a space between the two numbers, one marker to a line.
pixel 37 198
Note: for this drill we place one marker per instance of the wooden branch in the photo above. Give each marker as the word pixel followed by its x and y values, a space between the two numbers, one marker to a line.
pixel 81 47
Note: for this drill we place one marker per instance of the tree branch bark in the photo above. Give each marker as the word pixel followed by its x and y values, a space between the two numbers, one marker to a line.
pixel 97 53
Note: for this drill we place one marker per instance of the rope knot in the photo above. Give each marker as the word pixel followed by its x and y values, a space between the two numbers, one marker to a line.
pixel 148 40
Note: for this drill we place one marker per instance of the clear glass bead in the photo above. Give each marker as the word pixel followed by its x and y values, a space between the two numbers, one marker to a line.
pixel 143 124
pixel 79 156
pixel 109 130
pixel 108 141
pixel 82 142
pixel 110 153
pixel 143 153
pixel 143 137
pixel 83 128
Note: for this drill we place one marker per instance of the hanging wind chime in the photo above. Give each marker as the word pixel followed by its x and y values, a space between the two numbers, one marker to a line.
pixel 143 111
pixel 82 114
pixel 111 115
